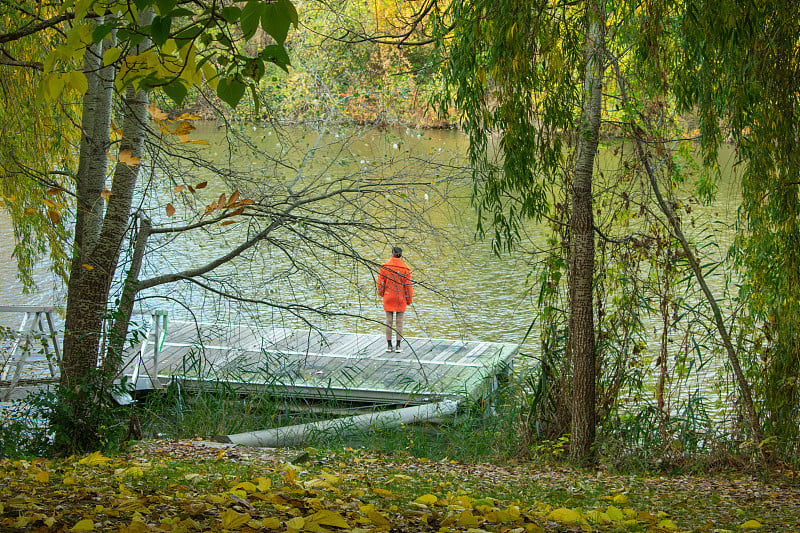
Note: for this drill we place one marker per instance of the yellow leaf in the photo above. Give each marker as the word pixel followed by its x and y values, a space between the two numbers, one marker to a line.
pixel 106 194
pixel 183 128
pixel 170 209
pixel 271 523
pixel 467 519
pixel 377 518
pixel 667 524
pixel 234 520
pixel 83 525
pixel 51 87
pixel 291 473
pixel 751 524
pixel 93 459
pixel 296 523
pixel 137 526
pixel 111 55
pixel 196 141
pixel 42 477
pixel 427 499
pixel 77 80
pixel 69 480
pixel 190 116
pixel 332 479
pixel 246 486
pixel 620 498
pixel 134 472
pixel 127 157
pixel 562 514
pixel 314 483
pixel 505 516
pixel 263 484
pixel 210 74
pixel 156 113
pixel 383 492
pixel 178 189
pixel 598 517
pixel 328 518
pixel 615 514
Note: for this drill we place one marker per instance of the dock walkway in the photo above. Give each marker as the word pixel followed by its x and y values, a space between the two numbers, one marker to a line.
pixel 272 360
pixel 318 364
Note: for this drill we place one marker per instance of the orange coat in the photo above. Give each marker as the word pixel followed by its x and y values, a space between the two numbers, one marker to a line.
pixel 394 284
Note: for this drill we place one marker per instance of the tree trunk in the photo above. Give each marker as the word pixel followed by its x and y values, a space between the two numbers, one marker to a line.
pixel 582 243
pixel 99 239
pixel 81 328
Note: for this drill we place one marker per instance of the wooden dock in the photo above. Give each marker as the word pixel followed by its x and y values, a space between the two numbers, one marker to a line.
pixel 315 364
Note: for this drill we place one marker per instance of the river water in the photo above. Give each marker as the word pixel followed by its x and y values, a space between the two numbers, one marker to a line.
pixel 462 289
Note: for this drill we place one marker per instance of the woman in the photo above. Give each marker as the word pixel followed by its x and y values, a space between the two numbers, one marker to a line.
pixel 394 284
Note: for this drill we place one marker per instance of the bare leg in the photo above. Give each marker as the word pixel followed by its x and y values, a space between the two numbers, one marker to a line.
pixel 389 329
pixel 399 320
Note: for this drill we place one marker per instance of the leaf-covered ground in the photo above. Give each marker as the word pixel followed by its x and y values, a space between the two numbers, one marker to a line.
pixel 204 486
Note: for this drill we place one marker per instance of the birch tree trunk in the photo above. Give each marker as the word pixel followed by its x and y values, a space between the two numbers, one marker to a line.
pixel 581 323
pixel 81 328
pixel 98 237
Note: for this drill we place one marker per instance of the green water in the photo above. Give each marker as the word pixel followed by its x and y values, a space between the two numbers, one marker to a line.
pixel 462 289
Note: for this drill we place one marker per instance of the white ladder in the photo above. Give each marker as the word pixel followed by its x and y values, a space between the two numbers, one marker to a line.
pixel 32 327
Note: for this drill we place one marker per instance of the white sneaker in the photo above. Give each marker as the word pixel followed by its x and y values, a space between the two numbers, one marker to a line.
pixel 389 349
pixel 398 349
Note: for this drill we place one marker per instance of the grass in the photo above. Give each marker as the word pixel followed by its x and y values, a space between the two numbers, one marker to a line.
pixel 472 470
pixel 192 485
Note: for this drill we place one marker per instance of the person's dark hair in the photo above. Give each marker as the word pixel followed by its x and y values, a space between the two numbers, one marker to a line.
pixel 397 251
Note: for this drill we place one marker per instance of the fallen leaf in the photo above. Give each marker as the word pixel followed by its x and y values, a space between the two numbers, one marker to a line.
pixel 234 520
pixel 93 459
pixel 751 524
pixel 83 525
pixel 562 514
pixel 246 486
pixel 427 499
pixel 263 484
pixel 296 523
pixel 271 523
pixel 327 518
pixel 667 524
